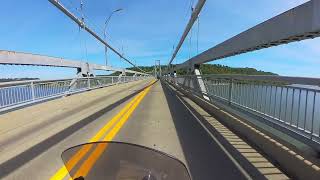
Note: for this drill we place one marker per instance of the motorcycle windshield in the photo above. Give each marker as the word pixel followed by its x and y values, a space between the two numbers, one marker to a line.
pixel 121 161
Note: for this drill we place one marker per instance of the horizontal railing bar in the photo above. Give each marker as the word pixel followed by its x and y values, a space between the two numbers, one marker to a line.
pixel 258 97
pixel 3 84
pixel 289 79
pixel 15 94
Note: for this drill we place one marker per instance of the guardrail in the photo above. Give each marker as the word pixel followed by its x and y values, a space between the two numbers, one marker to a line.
pixel 293 106
pixel 15 94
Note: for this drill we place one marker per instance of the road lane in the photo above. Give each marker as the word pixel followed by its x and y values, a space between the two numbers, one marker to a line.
pixel 62 172
pixel 24 128
pixel 159 121
pixel 163 122
pixel 88 164
pixel 43 160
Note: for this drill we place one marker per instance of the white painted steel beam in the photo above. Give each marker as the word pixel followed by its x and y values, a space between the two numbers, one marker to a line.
pixel 299 23
pixel 18 58
pixel 57 4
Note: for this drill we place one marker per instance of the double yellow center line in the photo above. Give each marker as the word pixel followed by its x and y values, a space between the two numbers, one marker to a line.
pixel 117 123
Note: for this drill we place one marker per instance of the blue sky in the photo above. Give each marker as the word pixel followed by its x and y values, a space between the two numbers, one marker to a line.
pixel 147 30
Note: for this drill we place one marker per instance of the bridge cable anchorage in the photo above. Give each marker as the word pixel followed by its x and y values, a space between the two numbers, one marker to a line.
pixel 78 21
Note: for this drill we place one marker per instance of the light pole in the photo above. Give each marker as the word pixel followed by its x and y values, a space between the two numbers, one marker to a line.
pixel 105 31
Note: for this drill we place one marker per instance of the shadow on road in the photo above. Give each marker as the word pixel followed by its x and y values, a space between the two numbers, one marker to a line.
pixel 204 157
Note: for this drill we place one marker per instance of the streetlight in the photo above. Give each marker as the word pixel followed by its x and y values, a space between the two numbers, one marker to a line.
pixel 105 30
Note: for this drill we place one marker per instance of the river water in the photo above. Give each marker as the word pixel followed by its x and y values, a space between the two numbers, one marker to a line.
pixel 295 105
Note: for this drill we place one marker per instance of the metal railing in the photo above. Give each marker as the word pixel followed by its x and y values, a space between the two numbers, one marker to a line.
pixel 295 106
pixel 15 94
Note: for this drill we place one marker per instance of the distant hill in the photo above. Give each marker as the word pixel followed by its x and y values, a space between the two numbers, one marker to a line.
pixel 220 69
pixel 17 79
pixel 213 69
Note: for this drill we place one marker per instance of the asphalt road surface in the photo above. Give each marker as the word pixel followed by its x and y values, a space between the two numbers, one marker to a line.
pixel 146 113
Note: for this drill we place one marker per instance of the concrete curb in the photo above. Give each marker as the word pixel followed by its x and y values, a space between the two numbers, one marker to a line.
pixel 292 163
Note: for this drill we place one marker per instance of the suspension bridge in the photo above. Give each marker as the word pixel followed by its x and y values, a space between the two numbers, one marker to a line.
pixel 220 126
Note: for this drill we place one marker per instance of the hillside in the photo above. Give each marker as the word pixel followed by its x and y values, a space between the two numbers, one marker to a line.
pixel 214 69
pixel 17 79
pixel 220 69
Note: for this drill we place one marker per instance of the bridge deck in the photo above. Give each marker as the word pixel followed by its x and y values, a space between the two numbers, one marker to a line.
pixel 31 148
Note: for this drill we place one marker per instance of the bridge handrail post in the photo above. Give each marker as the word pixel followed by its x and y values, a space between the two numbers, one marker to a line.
pixel 88 82
pixel 32 91
pixel 230 91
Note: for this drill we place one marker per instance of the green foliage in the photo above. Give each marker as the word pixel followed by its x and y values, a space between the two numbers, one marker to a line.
pixel 17 79
pixel 220 69
pixel 144 68
pixel 209 69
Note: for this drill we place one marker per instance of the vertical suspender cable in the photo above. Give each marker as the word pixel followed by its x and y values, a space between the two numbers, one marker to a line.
pixel 91 32
pixel 198 31
pixel 194 16
pixel 84 38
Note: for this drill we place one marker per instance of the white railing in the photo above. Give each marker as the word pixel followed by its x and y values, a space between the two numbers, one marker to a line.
pixel 283 100
pixel 15 94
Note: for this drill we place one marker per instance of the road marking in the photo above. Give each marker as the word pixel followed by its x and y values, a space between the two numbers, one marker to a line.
pixel 63 171
pixel 90 161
